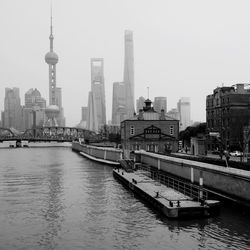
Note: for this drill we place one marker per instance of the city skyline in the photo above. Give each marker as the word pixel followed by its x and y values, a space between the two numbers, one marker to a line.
pixel 179 50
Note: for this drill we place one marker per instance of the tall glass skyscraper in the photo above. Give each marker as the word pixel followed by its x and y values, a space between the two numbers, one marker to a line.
pixel 128 77
pixel 96 104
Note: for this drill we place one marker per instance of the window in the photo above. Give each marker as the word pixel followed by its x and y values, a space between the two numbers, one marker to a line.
pixel 132 130
pixel 171 131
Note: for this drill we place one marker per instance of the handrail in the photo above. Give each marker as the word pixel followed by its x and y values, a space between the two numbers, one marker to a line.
pixel 189 189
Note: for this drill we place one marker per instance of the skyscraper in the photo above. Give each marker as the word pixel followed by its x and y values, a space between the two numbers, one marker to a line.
pixel 128 77
pixel 96 103
pixel 118 103
pixel 12 115
pixel 160 102
pixel 183 107
pixel 54 112
pixel 33 103
pixel 91 115
pixel 140 103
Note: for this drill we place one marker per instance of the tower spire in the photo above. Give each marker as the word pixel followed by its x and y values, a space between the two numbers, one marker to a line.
pixel 51 37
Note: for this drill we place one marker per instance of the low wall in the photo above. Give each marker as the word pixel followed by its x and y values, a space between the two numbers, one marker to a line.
pixel 233 182
pixel 105 153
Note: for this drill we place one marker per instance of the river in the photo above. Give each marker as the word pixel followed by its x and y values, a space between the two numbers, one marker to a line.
pixel 53 198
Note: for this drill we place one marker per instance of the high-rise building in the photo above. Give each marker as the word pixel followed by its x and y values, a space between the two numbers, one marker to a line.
pixel 33 98
pixel 53 112
pixel 128 77
pixel 60 118
pixel 160 102
pixel 183 107
pixel 140 103
pixel 118 104
pixel 228 113
pixel 174 114
pixel 12 115
pixel 92 123
pixel 34 109
pixel 83 122
pixel 97 106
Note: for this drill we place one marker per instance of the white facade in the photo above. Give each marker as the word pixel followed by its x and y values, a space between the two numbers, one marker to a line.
pixel 184 110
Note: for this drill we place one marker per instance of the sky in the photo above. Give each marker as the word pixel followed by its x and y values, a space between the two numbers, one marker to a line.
pixel 181 48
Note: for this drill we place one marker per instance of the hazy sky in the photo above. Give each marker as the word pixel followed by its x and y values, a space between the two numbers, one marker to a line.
pixel 181 47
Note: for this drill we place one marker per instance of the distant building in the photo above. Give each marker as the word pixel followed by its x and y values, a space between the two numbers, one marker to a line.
pixel 118 104
pixel 140 103
pixel 128 77
pixel 13 114
pixel 160 102
pixel 184 110
pixel 150 131
pixel 97 109
pixel 34 108
pixel 61 118
pixel 228 112
pixel 83 122
pixel 174 113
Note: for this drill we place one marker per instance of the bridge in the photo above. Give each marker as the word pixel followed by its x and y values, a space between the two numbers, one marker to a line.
pixel 59 134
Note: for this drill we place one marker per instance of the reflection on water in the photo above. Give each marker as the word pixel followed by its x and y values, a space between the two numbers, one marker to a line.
pixel 55 199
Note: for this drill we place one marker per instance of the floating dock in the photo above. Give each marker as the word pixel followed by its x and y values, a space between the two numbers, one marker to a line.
pixel 168 201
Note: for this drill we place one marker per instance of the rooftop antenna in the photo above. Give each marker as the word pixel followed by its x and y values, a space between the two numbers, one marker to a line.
pixel 148 92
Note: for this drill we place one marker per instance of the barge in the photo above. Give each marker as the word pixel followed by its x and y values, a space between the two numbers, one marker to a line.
pixel 167 200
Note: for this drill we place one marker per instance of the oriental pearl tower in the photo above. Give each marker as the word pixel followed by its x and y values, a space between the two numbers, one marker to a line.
pixel 51 58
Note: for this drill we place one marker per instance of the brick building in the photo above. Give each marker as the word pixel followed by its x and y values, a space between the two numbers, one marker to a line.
pixel 150 131
pixel 227 112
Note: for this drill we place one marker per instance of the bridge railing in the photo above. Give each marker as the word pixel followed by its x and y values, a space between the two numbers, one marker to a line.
pixel 194 191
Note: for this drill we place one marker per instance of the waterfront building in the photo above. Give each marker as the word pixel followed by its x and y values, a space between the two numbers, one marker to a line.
pixel 183 107
pixel 140 103
pixel 118 103
pixel 227 113
pixel 150 131
pixel 96 102
pixel 160 102
pixel 128 77
pixel 34 109
pixel 12 117
pixel 54 111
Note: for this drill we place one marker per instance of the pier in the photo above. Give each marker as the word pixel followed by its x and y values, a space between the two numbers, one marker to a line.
pixel 230 183
pixel 173 198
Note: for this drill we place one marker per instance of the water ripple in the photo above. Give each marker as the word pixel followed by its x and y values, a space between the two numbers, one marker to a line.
pixel 55 199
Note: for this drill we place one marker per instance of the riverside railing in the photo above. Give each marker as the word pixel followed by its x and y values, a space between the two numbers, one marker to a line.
pixel 194 191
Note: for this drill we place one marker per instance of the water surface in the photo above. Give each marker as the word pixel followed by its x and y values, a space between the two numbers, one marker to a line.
pixel 53 198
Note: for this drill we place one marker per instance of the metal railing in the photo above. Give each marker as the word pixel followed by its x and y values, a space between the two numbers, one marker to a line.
pixel 191 190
